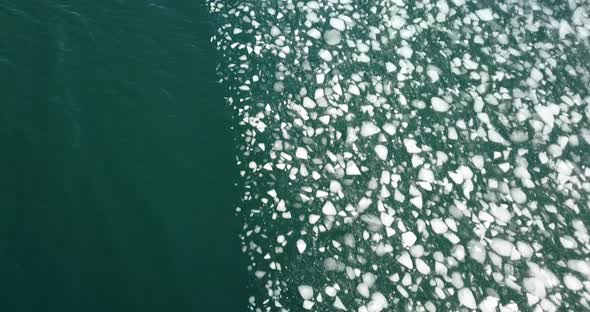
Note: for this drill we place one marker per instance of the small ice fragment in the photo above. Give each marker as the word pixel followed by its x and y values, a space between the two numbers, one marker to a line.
pixel 477 251
pixel 417 201
pixel 495 137
pixel 328 209
pixel 546 114
pixel 524 249
pixel 381 151
pixel 337 24
pixel 320 77
pixel 301 245
pixel 405 51
pixel 422 267
pixel 518 195
pixel 439 105
pixel 308 102
pixel 489 304
pixel 408 239
pixel 305 291
pixel 438 226
pixel 386 219
pixel 390 67
pixel 338 304
pixel 502 247
pixel 352 169
pixel 572 282
pixel 485 15
pixel 433 72
pixel 330 291
pixel 466 298
pixel 308 305
pixel 536 74
pixel 426 175
pixel 354 90
pixel 314 33
pixel 564 29
pixel 389 128
pixel 411 146
pixel 332 37
pixel 275 31
pixel 378 302
pixel 313 218
pixel 325 55
pixel 363 290
pixel 364 203
pixel 301 153
pixel 368 129
pixel 397 22
pixel 405 260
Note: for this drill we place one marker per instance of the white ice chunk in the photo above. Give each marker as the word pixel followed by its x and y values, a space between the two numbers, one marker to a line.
pixel 438 226
pixel 501 213
pixel 502 247
pixel 489 304
pixel 337 24
pixel 305 291
pixel 565 28
pixel 389 128
pixel 433 72
pixel 405 51
pixel 368 129
pixel 518 195
pixel 354 90
pixel 495 137
pixel 352 169
pixel 397 22
pixel 275 31
pixel 408 239
pixel 485 15
pixel 325 55
pixel 386 219
pixel 546 114
pixel 301 153
pixel 332 37
pixel 308 102
pixel 329 209
pixel 381 151
pixel 363 290
pixel 572 282
pixel 339 305
pixel 301 245
pixel 330 291
pixel 314 33
pixel 524 249
pixel 378 303
pixel 477 251
pixel 411 146
pixel 425 174
pixel 405 260
pixel 536 74
pixel 422 267
pixel 466 298
pixel 363 204
pixel 439 105
pixel 417 201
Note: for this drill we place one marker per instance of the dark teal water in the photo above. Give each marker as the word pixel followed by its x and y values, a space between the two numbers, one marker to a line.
pixel 117 172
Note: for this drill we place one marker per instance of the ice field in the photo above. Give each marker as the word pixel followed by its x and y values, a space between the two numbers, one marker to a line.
pixel 411 156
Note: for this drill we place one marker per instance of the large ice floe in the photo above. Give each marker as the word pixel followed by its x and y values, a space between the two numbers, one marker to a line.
pixel 411 155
